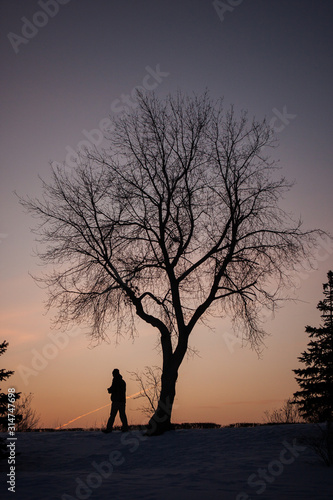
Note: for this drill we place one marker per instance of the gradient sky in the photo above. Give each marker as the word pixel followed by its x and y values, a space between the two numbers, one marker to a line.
pixel 272 57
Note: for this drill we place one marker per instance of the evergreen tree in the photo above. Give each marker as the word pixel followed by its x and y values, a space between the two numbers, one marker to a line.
pixel 4 375
pixel 315 397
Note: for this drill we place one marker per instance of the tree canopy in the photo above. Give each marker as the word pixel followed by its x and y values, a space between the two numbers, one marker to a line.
pixel 176 218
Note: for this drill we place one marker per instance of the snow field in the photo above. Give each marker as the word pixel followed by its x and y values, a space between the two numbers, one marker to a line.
pixel 264 462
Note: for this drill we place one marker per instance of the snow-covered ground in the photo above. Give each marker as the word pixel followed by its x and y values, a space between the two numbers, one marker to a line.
pixel 268 462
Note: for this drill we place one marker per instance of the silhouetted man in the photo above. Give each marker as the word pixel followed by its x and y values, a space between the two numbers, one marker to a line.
pixel 118 399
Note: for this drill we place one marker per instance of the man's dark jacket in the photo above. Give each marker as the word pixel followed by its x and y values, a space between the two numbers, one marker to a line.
pixel 118 389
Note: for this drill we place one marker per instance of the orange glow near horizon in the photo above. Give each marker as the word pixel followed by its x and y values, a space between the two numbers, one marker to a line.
pixel 224 384
pixel 80 416
pixel 93 411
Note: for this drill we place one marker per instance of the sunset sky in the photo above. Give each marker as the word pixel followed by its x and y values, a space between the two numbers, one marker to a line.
pixel 67 66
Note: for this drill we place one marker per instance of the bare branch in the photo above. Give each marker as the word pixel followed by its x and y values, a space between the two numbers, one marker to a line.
pixel 178 219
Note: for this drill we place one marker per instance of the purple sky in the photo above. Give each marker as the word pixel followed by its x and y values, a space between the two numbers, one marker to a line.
pixel 272 57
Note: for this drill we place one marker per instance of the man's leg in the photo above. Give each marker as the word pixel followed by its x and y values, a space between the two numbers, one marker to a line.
pixel 123 417
pixel 113 413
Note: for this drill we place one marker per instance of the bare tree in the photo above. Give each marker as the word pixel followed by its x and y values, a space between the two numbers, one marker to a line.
pixel 29 417
pixel 150 387
pixel 177 219
pixel 287 414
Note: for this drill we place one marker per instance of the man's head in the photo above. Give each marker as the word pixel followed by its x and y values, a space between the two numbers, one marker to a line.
pixel 115 372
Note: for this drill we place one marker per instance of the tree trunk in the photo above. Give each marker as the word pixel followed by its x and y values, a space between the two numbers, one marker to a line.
pixel 161 419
